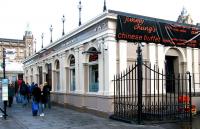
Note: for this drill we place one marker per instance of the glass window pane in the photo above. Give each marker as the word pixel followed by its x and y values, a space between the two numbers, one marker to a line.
pixel 72 80
pixel 94 78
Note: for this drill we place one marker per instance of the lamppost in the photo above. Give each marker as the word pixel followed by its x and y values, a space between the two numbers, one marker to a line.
pixel 51 29
pixel 42 36
pixel 104 6
pixel 63 21
pixel 79 7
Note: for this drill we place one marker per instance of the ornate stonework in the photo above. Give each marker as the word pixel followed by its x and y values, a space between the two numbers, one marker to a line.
pixel 184 17
pixel 16 51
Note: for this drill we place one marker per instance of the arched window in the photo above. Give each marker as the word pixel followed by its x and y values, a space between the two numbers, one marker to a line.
pixel 72 74
pixel 49 75
pixel 93 71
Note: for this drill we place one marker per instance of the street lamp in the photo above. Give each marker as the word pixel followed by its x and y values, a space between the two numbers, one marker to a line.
pixel 63 21
pixel 42 36
pixel 104 7
pixel 79 7
pixel 51 29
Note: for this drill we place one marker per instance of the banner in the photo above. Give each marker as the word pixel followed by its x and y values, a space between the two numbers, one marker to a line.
pixel 5 89
pixel 151 31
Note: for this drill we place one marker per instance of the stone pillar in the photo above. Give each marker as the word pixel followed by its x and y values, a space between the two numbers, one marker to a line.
pixel 110 65
pixel 189 59
pixel 195 76
pixel 77 88
pixel 81 70
pixel 152 59
pixel 62 73
pixel 122 55
pixel 101 63
pixel 161 64
pixel 53 80
pixel 161 56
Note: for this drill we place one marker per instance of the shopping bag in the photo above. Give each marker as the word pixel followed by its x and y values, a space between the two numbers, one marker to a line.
pixel 35 108
pixel 18 98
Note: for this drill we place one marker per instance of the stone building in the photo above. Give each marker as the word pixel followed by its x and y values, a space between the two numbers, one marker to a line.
pixel 80 66
pixel 16 51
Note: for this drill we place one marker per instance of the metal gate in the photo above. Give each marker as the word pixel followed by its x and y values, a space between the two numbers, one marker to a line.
pixel 144 93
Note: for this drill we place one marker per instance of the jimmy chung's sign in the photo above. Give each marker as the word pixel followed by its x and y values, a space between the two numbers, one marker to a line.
pixel 135 29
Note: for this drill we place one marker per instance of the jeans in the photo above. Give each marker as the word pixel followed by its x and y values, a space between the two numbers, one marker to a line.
pixel 41 108
pixel 48 102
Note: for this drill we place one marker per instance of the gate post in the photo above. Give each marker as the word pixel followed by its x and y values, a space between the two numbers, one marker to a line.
pixel 139 74
pixel 190 96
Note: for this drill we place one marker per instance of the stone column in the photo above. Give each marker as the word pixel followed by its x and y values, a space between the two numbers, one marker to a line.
pixel 81 70
pixel 62 73
pixel 110 65
pixel 161 56
pixel 53 80
pixel 77 88
pixel 152 59
pixel 122 55
pixel 101 64
pixel 189 59
pixel 195 76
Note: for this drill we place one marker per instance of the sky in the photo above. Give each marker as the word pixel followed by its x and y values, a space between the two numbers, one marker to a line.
pixel 16 15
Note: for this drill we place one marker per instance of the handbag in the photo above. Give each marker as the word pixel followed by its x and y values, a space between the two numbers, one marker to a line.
pixel 18 98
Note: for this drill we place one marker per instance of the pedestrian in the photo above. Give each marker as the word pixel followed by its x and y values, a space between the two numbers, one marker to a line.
pixel 11 94
pixel 42 101
pixel 46 91
pixel 24 93
pixel 18 84
pixel 36 93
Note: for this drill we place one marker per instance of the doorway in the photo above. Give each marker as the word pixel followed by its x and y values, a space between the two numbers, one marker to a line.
pixel 171 68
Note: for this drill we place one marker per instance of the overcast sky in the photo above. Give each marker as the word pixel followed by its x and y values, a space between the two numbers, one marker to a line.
pixel 40 14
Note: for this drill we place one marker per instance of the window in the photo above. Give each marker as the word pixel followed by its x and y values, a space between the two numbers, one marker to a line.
pixel 93 71
pixel 72 74
pixel 58 75
pixel 94 78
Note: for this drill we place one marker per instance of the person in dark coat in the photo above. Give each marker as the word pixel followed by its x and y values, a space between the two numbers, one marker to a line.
pixel 36 93
pixel 11 94
pixel 46 91
pixel 24 93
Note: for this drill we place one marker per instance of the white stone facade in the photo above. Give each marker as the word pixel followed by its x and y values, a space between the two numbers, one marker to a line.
pixel 113 57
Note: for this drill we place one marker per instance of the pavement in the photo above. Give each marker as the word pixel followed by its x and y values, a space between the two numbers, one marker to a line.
pixel 62 118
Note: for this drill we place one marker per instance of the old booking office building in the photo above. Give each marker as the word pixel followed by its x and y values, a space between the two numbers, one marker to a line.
pixel 80 66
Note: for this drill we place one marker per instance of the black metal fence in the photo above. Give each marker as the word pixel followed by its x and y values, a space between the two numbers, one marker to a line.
pixel 143 93
pixel 195 84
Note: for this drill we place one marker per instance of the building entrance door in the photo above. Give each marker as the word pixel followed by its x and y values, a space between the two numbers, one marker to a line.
pixel 170 63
